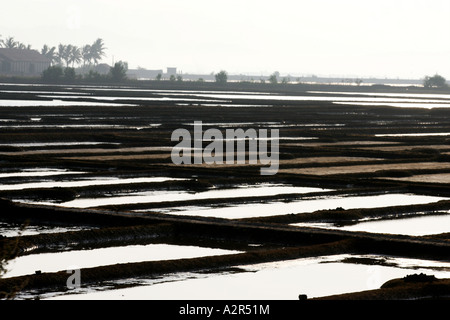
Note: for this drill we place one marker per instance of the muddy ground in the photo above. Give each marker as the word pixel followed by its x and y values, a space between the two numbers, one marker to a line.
pixel 340 149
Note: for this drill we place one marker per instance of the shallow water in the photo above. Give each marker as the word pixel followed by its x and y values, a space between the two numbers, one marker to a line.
pixel 252 210
pixel 412 134
pixel 38 172
pixel 109 98
pixel 161 196
pixel 417 104
pixel 84 183
pixel 411 226
pixel 285 280
pixel 53 103
pixel 397 95
pixel 76 259
pixel 51 144
pixel 223 99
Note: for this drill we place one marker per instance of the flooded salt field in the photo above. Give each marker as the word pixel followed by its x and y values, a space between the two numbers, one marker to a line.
pixel 75 259
pixel 221 98
pixel 52 103
pixel 55 144
pixel 94 181
pixel 272 281
pixel 417 225
pixel 274 208
pixel 38 172
pixel 174 196
pixel 89 166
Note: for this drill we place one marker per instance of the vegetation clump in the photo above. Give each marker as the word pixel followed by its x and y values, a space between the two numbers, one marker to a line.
pixel 221 77
pixel 436 81
pixel 422 277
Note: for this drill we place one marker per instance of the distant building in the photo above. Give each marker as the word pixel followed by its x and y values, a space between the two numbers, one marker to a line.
pixel 171 71
pixel 22 62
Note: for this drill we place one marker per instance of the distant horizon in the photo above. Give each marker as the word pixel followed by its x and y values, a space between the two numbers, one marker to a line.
pixel 349 38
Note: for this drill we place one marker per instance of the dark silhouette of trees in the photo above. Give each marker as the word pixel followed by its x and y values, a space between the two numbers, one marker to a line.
pixel 86 55
pixel 57 74
pixel 69 74
pixel 97 50
pixel 435 81
pixel 74 55
pixel 221 77
pixel 118 73
pixel 63 54
pixel 10 43
pixel 273 78
pixel 49 53
pixel 53 74
pixel 24 46
pixel 13 44
pixel 71 55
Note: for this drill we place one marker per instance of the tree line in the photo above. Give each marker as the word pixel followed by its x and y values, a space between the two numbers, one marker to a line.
pixel 65 57
pixel 64 54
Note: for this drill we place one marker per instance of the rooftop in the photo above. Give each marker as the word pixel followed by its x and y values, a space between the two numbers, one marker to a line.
pixel 15 54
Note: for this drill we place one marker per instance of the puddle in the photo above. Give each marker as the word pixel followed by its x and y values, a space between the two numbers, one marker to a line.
pixel 161 196
pixel 253 210
pixel 55 103
pixel 38 172
pixel 424 105
pixel 65 93
pixel 78 126
pixel 413 134
pixel 315 277
pixel 52 144
pixel 397 95
pixel 84 183
pixel 75 259
pixel 411 226
pixel 113 99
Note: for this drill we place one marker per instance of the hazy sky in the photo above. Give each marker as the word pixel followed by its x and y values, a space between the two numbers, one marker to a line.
pixel 384 38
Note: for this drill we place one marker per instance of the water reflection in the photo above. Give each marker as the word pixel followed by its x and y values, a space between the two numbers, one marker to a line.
pixel 52 144
pixel 53 103
pixel 61 261
pixel 38 172
pixel 161 196
pixel 411 226
pixel 226 98
pixel 84 183
pixel 302 206
pixel 315 277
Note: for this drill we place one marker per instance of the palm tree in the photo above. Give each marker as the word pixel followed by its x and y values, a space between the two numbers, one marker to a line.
pixel 23 46
pixel 10 43
pixel 49 53
pixel 63 54
pixel 74 55
pixel 86 54
pixel 97 50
